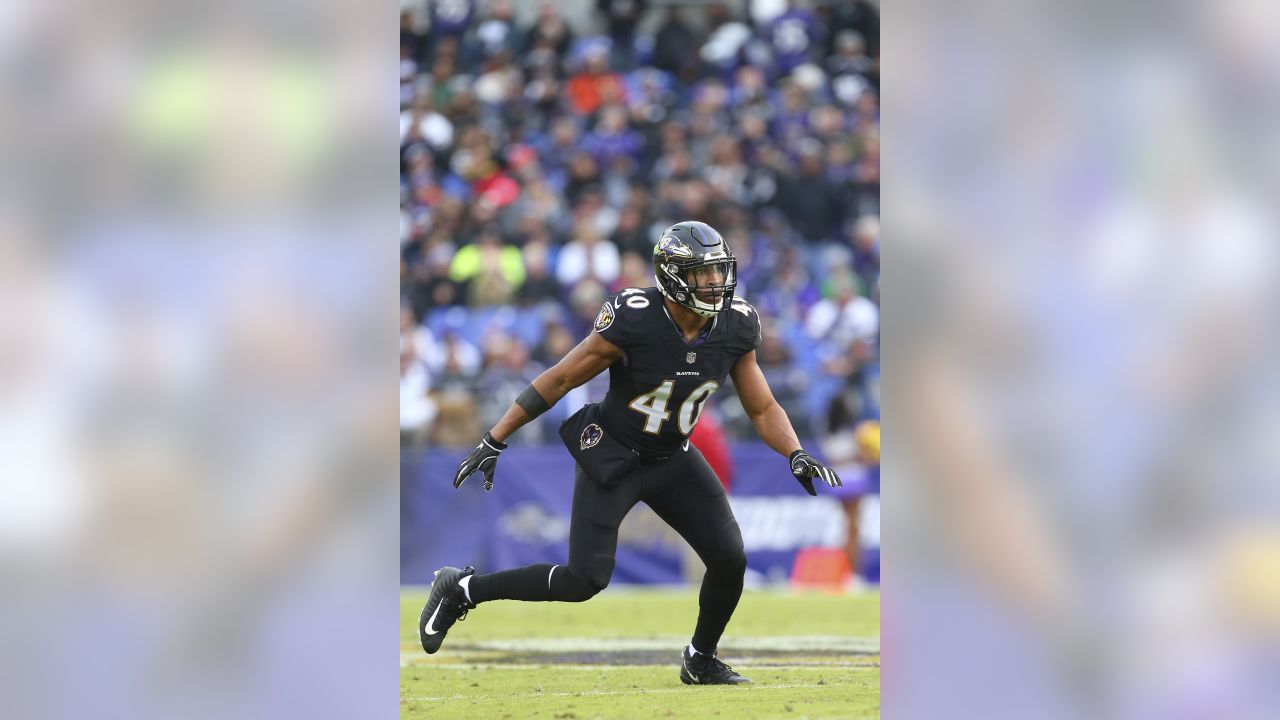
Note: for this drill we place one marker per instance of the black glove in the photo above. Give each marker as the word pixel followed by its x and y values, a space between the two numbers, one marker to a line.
pixel 484 458
pixel 805 469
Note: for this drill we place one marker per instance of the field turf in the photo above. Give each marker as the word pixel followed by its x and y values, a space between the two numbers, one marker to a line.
pixel 810 655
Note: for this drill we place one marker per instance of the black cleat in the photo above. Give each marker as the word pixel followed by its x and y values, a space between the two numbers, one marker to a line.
pixel 700 669
pixel 446 605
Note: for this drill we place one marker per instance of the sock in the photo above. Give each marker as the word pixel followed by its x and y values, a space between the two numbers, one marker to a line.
pixel 695 651
pixel 465 583
pixel 538 583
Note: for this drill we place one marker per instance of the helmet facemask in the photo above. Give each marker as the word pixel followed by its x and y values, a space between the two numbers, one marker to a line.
pixel 707 295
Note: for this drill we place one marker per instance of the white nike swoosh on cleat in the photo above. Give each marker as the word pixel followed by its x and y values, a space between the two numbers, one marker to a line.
pixel 431 630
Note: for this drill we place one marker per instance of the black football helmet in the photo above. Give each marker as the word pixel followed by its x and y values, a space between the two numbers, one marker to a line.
pixel 681 251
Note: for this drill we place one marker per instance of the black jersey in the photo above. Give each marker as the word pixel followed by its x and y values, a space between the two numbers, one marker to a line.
pixel 657 390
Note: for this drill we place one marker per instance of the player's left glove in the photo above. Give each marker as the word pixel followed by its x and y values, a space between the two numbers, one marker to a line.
pixel 805 469
pixel 484 458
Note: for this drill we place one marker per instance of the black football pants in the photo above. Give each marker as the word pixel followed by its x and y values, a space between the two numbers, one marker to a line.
pixel 686 494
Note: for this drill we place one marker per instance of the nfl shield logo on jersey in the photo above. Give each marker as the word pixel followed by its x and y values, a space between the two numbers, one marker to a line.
pixel 690 358
pixel 591 436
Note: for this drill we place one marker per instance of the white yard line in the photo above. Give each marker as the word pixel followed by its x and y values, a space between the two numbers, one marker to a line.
pixel 744 662
pixel 592 693
pixel 799 643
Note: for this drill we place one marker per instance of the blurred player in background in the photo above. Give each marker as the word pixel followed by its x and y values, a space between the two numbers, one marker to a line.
pixel 862 480
pixel 667 349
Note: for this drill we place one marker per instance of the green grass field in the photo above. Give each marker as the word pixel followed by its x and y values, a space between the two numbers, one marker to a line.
pixel 810 655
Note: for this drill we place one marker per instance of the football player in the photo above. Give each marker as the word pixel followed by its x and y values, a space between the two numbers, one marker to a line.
pixel 667 349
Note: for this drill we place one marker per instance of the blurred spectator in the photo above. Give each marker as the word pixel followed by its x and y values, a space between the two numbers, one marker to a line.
pixel 555 147
pixel 413 335
pixel 726 172
pixel 855 454
pixel 583 174
pixel 450 18
pixel 675 166
pixel 866 250
pixel 431 285
pixel 540 205
pixel 849 68
pixel 613 139
pixel 592 211
pixel 631 234
pixel 727 42
pixel 493 187
pixel 507 371
pixel 675 45
pixel 585 300
pixel 413 46
pixel 595 84
pixel 549 32
pixel 637 272
pixel 496 34
pixel 778 362
pixel 867 173
pixel 764 11
pixel 408 79
pixel 792 290
pixel 557 341
pixel 491 271
pixel 844 316
pixel 775 358
pixel 810 200
pixel 539 285
pixel 859 17
pixel 750 267
pixel 621 18
pixel 795 37
pixel 790 115
pixel 417 409
pixel 453 361
pixel 827 125
pixel 432 128
pixel 616 186
pixel 587 256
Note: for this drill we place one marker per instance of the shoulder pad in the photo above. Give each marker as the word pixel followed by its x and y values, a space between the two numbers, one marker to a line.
pixel 620 317
pixel 745 331
pixel 739 304
pixel 633 298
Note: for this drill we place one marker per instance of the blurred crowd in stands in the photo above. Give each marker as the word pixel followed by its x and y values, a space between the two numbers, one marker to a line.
pixel 540 160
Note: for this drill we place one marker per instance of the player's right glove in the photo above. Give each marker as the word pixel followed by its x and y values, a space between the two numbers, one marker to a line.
pixel 805 469
pixel 484 458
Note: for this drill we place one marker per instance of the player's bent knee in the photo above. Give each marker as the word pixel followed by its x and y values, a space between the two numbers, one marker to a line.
pixel 593 589
pixel 582 591
pixel 734 565
pixel 572 587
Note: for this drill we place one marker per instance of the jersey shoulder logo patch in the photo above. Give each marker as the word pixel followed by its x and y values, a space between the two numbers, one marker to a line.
pixel 605 318
pixel 591 435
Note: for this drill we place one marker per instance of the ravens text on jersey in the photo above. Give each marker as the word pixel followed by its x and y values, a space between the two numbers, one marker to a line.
pixel 657 391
